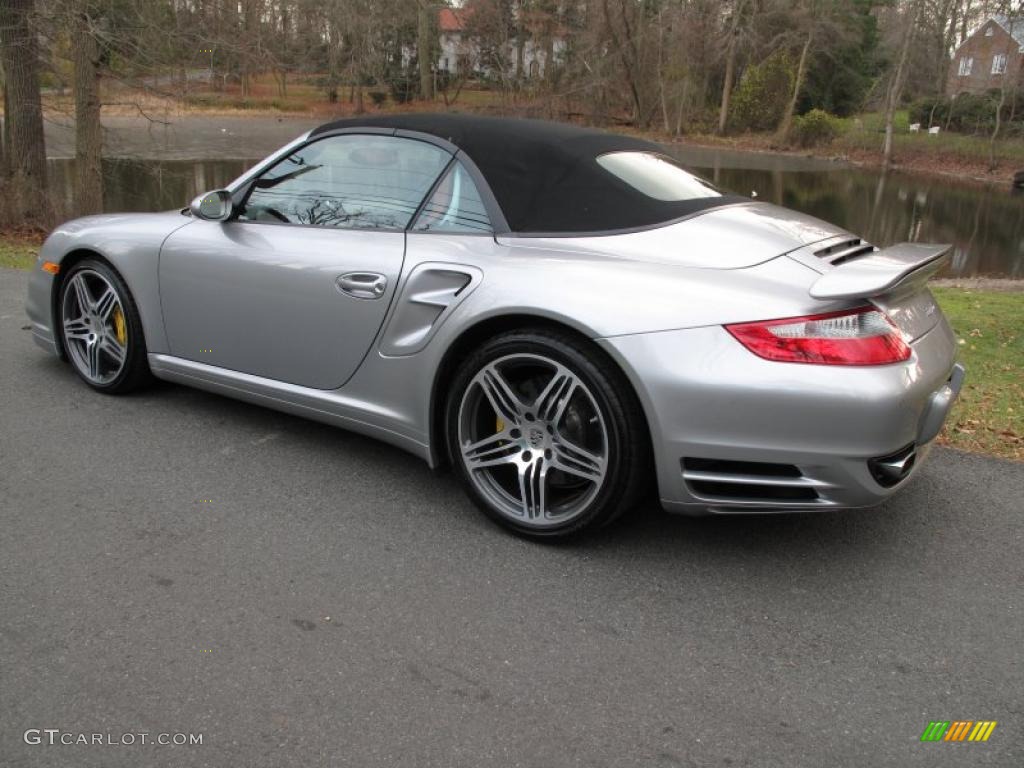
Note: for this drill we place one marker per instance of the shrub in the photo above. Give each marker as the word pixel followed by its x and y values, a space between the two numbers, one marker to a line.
pixel 815 128
pixel 973 113
pixel 378 97
pixel 763 93
pixel 403 88
pixel 929 108
pixel 443 80
pixel 329 84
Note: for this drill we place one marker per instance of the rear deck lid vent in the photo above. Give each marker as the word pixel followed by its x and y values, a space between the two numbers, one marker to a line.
pixel 845 250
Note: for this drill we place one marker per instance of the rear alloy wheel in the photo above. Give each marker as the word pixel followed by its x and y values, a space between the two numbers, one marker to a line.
pixel 101 330
pixel 547 438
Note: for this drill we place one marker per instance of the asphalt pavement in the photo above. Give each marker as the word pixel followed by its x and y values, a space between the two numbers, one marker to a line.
pixel 176 562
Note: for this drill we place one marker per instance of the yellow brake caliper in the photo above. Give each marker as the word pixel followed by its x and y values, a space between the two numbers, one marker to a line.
pixel 499 425
pixel 119 327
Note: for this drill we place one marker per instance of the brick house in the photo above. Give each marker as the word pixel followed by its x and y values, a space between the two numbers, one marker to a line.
pixel 990 57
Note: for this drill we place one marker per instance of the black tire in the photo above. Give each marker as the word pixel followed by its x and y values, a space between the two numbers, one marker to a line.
pixel 135 372
pixel 627 473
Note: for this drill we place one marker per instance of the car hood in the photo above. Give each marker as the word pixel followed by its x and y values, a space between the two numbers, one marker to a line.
pixel 164 220
pixel 731 237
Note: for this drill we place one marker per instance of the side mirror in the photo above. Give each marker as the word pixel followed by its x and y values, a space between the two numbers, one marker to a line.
pixel 213 206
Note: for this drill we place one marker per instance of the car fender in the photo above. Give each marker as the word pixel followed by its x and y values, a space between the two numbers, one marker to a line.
pixel 130 242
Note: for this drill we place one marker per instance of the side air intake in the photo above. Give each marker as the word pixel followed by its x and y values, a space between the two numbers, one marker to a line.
pixel 724 480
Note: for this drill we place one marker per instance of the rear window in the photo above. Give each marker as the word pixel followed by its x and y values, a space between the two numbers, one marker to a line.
pixel 657 176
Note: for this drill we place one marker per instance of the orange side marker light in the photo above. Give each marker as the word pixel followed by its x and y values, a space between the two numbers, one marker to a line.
pixel 51 267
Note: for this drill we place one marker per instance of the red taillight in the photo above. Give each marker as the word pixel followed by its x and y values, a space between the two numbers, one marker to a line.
pixel 862 336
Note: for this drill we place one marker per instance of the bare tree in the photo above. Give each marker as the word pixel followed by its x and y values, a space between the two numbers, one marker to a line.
pixel 798 83
pixel 730 64
pixel 425 33
pixel 1015 23
pixel 19 52
pixel 5 125
pixel 949 11
pixel 911 13
pixel 816 26
pixel 625 40
pixel 88 131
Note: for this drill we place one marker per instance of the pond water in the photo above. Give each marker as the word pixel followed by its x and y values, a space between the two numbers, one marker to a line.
pixel 985 224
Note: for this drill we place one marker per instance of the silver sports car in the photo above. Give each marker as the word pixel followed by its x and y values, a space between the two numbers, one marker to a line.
pixel 566 317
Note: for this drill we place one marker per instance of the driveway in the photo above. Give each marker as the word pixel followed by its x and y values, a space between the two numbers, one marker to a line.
pixel 175 562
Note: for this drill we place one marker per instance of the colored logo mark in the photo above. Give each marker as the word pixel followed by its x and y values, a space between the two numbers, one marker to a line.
pixel 958 730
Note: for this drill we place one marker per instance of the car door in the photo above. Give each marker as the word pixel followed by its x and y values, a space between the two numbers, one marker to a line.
pixel 296 287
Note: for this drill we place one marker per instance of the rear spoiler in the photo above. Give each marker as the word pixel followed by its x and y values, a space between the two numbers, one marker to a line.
pixel 899 268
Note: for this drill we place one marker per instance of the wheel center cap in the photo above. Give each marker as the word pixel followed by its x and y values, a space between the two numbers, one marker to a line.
pixel 535 436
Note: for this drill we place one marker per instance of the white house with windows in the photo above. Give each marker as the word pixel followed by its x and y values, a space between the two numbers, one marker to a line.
pixel 460 53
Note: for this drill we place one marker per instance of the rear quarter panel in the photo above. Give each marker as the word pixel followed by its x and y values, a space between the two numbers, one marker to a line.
pixel 597 295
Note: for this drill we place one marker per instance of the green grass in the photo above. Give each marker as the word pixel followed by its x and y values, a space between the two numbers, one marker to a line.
pixel 18 254
pixel 989 325
pixel 866 132
pixel 874 122
pixel 989 416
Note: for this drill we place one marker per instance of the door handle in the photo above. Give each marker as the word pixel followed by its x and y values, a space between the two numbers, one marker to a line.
pixel 363 285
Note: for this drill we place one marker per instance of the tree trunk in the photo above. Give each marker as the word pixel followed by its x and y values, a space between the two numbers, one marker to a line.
pixel 7 126
pixel 8 167
pixel 682 105
pixel 20 55
pixel 801 73
pixel 995 131
pixel 953 12
pixel 3 128
pixel 730 68
pixel 424 49
pixel 999 107
pixel 549 58
pixel 520 52
pixel 723 110
pixel 896 87
pixel 625 57
pixel 332 62
pixel 88 133
pixel 963 20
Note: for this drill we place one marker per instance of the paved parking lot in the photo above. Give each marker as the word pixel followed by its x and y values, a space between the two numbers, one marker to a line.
pixel 175 562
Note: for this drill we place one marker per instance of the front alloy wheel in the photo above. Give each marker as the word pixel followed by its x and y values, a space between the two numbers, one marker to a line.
pixel 95 332
pixel 545 436
pixel 100 328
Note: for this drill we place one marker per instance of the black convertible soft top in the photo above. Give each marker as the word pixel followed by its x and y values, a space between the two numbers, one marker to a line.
pixel 545 176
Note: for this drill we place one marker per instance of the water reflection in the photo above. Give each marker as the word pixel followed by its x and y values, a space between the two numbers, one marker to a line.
pixel 148 185
pixel 985 223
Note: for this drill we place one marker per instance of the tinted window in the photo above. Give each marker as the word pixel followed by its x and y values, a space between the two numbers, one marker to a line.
pixel 656 176
pixel 455 206
pixel 351 182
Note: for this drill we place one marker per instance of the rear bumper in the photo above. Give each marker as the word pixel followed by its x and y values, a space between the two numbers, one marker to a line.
pixel 735 433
